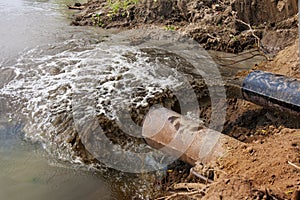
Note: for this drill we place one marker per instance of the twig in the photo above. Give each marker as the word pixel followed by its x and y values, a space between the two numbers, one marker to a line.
pixel 292 164
pixel 180 194
pixel 216 38
pixel 200 176
pixel 195 186
pixel 188 193
pixel 251 30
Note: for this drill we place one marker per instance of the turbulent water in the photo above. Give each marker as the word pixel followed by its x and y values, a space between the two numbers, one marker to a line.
pixel 108 80
pixel 57 89
pixel 36 44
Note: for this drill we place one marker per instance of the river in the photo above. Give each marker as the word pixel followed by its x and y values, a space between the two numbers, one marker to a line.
pixel 27 171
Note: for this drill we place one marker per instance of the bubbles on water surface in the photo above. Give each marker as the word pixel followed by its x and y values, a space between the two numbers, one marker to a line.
pixel 71 88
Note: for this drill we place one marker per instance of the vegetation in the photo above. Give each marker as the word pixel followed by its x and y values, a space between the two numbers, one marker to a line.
pixel 97 20
pixel 120 5
pixel 170 28
pixel 115 8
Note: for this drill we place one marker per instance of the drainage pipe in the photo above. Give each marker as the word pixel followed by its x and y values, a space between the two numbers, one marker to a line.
pixel 184 138
pixel 272 91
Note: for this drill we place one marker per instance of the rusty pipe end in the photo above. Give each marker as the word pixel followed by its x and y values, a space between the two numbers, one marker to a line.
pixel 157 120
pixel 186 139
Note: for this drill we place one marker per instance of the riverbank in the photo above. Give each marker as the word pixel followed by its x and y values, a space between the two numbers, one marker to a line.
pixel 267 166
pixel 216 26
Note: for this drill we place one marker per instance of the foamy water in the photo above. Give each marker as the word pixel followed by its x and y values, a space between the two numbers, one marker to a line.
pixel 108 74
pixel 50 82
pixel 43 63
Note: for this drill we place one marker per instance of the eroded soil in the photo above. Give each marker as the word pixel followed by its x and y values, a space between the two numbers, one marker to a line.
pixel 216 25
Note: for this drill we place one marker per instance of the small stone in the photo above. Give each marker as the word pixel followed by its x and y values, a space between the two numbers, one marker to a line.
pixel 280 6
pixel 227 181
pixel 250 150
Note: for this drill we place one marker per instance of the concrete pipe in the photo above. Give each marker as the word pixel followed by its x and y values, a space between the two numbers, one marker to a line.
pixel 184 138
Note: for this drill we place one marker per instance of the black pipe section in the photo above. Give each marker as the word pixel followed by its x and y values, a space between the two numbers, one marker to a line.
pixel 272 91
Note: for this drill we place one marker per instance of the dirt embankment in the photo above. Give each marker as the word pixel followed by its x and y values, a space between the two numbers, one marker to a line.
pixel 216 25
pixel 267 166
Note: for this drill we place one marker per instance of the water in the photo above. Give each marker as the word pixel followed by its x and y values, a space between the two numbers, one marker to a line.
pixel 25 25
pixel 27 171
pixel 36 41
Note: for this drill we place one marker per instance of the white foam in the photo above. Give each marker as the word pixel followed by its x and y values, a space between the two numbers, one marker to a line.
pixel 103 72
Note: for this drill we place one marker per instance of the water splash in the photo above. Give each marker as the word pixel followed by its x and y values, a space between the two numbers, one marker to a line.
pixel 112 74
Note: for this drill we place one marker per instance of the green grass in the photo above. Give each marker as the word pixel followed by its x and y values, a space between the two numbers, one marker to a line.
pixel 120 5
pixel 97 20
pixel 170 28
pixel 115 8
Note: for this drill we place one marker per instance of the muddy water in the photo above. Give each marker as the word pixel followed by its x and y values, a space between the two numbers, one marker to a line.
pixel 26 170
pixel 28 173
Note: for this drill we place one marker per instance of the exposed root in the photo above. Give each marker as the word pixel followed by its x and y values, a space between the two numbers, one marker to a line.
pixel 259 45
pixel 178 194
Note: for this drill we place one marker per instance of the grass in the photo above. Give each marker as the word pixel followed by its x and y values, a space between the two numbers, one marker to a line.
pixel 115 8
pixel 97 20
pixel 120 5
pixel 170 28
